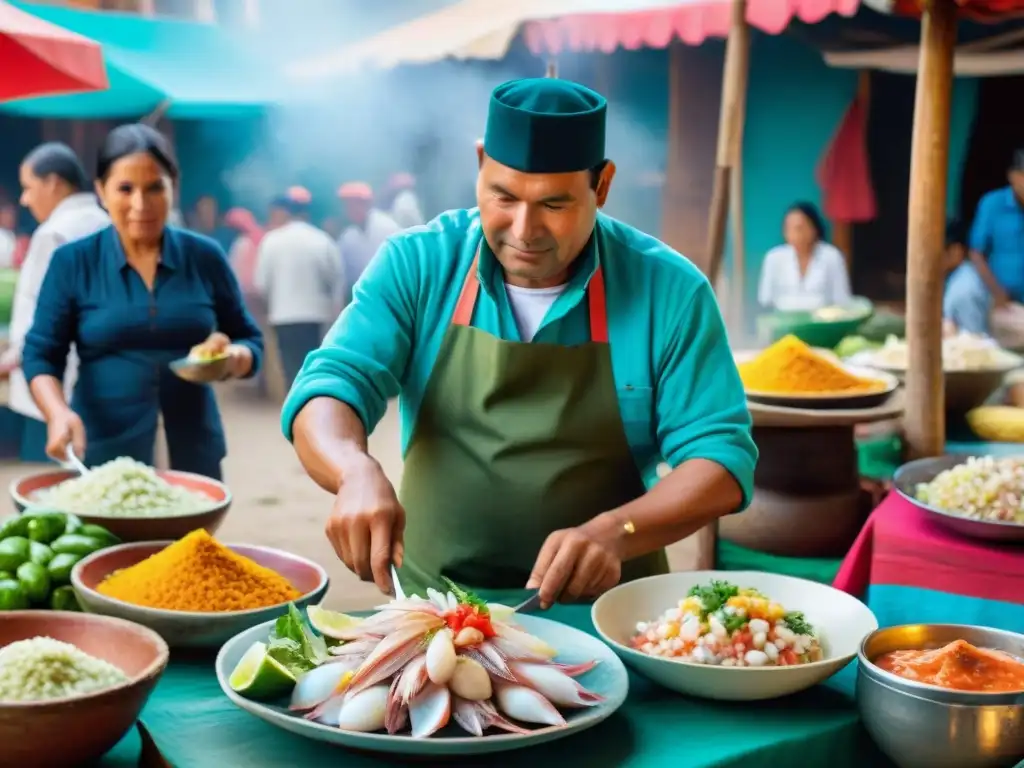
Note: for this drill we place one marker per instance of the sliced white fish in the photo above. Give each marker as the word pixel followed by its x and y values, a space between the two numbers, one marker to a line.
pixel 319 684
pixel 411 680
pixel 526 705
pixel 441 657
pixel 430 711
pixel 391 654
pixel 365 712
pixel 467 716
pixel 554 685
pixel 470 680
pixel 498 670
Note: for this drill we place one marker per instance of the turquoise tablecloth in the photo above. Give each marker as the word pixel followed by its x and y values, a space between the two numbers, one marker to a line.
pixel 195 725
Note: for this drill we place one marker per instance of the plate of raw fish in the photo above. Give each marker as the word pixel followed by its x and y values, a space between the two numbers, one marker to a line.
pixel 447 674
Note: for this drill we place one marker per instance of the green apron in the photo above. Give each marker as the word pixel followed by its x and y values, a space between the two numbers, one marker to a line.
pixel 513 441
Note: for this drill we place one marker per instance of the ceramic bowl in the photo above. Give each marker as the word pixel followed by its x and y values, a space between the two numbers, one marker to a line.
pixel 79 729
pixel 188 629
pixel 841 621
pixel 924 726
pixel 24 494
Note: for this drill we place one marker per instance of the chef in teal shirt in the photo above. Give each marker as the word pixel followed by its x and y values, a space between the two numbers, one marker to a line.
pixel 546 358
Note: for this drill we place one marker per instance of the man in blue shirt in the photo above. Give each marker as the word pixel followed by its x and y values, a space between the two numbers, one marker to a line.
pixel 997 242
pixel 547 358
pixel 966 301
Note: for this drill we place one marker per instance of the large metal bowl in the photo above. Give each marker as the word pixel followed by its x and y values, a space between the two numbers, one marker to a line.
pixel 193 629
pixel 924 726
pixel 25 492
pixel 907 478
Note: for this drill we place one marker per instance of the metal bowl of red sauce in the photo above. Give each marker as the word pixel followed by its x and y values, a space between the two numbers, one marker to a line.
pixel 944 704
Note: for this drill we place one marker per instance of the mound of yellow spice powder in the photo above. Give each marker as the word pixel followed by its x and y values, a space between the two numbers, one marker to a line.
pixel 789 367
pixel 198 573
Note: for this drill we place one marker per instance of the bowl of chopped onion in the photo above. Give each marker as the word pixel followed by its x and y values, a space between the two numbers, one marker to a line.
pixel 974 366
pixel 732 635
pixel 977 496
pixel 131 500
pixel 72 684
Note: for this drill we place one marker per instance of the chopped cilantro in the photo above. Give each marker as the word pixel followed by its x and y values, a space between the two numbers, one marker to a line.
pixel 713 596
pixel 733 622
pixel 797 623
pixel 466 598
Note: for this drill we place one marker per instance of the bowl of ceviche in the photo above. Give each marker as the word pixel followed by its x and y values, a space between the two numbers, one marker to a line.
pixel 943 695
pixel 732 635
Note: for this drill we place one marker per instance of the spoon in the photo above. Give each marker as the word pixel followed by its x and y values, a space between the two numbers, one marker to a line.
pixel 75 462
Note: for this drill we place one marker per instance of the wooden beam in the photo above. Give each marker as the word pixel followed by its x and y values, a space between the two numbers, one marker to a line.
pixel 924 421
pixel 734 94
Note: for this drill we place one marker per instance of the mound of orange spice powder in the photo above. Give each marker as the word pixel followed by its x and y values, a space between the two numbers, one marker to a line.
pixel 198 573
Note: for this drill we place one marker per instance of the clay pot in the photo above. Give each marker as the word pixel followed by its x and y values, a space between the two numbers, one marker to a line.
pixel 79 729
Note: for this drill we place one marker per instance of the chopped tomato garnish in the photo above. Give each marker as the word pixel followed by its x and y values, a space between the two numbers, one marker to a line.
pixel 469 616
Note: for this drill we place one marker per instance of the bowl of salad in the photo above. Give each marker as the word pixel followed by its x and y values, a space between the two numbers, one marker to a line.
pixel 733 635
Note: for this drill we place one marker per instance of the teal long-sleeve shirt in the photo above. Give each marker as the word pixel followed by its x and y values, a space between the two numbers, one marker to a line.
pixel 680 395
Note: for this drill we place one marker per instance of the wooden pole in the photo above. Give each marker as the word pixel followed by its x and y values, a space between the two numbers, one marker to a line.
pixel 924 421
pixel 734 93
pixel 736 219
pixel 737 64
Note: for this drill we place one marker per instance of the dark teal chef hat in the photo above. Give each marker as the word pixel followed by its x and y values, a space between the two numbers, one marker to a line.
pixel 546 125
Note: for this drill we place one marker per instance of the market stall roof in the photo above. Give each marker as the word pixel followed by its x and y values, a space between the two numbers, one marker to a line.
pixel 41 58
pixel 977 10
pixel 203 70
pixel 485 29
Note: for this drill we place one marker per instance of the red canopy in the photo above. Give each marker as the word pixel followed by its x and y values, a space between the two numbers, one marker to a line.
pixel 691 22
pixel 38 58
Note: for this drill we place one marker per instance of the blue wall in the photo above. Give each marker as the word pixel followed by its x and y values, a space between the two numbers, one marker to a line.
pixel 794 106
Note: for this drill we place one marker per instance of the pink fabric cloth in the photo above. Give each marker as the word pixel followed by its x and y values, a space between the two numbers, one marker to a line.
pixel 900 545
pixel 845 170
pixel 657 28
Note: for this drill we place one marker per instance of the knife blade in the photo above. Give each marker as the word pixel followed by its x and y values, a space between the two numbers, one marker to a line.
pixel 529 604
pixel 397 585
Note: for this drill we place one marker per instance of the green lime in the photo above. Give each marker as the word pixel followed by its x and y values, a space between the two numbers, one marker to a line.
pixel 64 599
pixel 76 544
pixel 34 580
pixel 60 568
pixel 12 596
pixel 258 676
pixel 13 552
pixel 40 553
pixel 330 623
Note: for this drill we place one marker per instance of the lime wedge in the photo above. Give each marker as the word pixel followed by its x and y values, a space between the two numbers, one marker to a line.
pixel 258 676
pixel 501 612
pixel 330 623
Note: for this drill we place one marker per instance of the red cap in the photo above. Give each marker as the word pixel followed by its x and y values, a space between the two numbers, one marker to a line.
pixel 355 190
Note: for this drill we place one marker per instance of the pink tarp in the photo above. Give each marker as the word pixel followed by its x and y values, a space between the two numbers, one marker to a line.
pixel 691 23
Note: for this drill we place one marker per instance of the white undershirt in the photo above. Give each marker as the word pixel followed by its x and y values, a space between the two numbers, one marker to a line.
pixel 530 306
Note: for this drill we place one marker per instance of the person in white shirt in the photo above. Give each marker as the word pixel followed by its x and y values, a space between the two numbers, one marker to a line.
pixel 299 274
pixel 58 194
pixel 405 205
pixel 368 228
pixel 8 236
pixel 807 272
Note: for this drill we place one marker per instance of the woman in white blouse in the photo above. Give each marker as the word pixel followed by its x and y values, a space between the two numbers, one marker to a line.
pixel 807 272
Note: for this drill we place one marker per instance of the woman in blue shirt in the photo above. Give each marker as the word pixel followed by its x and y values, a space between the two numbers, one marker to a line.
pixel 132 298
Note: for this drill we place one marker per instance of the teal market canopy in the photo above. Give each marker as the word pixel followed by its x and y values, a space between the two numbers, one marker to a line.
pixel 203 71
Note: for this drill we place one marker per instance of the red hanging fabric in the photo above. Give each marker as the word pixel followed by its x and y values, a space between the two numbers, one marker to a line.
pixel 844 173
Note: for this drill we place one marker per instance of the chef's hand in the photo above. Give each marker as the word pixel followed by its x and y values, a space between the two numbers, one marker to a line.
pixel 573 564
pixel 65 429
pixel 217 344
pixel 367 525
